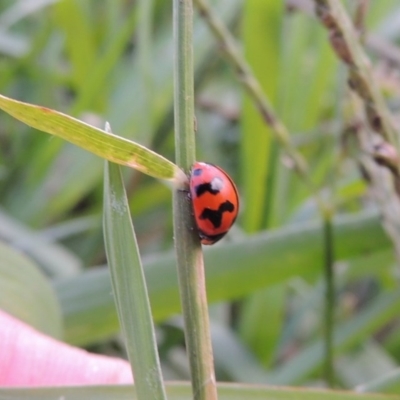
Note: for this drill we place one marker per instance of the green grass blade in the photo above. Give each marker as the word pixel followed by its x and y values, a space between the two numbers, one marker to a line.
pixel 388 383
pixel 233 360
pixel 181 391
pixel 233 271
pixel 95 140
pixel 102 68
pixel 79 38
pixel 20 10
pixel 262 30
pixel 265 305
pixel 53 258
pixel 377 315
pixel 129 287
pixel 27 294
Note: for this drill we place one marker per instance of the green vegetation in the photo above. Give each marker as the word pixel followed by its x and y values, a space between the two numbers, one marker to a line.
pixel 303 291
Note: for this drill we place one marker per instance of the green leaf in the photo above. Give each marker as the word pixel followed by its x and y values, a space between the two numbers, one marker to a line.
pixel 95 140
pixel 233 270
pixel 262 28
pixel 90 90
pixel 27 294
pixel 365 363
pixel 129 287
pixel 387 383
pixel 182 391
pixel 261 321
pixel 55 259
pixel 79 35
pixel 377 315
pixel 20 10
pixel 233 359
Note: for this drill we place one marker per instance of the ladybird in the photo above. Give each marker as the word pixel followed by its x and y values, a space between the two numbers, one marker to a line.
pixel 215 201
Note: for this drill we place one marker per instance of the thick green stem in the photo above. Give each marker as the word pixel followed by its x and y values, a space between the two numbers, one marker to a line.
pixel 188 249
pixel 184 84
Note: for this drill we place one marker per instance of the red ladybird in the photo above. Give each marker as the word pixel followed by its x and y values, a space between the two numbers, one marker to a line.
pixel 215 201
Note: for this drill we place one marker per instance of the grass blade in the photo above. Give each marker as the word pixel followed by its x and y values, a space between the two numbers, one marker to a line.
pixel 181 391
pixel 129 286
pixel 104 144
pixel 27 294
pixel 233 271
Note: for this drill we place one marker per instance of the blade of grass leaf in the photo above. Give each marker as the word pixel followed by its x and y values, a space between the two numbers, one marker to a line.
pixel 262 31
pixel 53 258
pixel 105 63
pixel 233 271
pixel 388 383
pixel 384 308
pixel 21 9
pixel 79 38
pixel 268 304
pixel 129 288
pixel 27 294
pixel 95 140
pixel 181 391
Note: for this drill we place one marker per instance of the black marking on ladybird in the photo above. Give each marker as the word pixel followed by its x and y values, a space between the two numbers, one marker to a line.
pixel 213 187
pixel 215 216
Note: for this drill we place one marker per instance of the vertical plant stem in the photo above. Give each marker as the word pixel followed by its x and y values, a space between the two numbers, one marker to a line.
pixel 329 305
pixel 183 83
pixel 188 249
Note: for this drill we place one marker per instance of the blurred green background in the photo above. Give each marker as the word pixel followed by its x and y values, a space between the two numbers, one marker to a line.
pixel 112 60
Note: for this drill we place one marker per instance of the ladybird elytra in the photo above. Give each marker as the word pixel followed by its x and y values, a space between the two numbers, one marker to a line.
pixel 215 201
